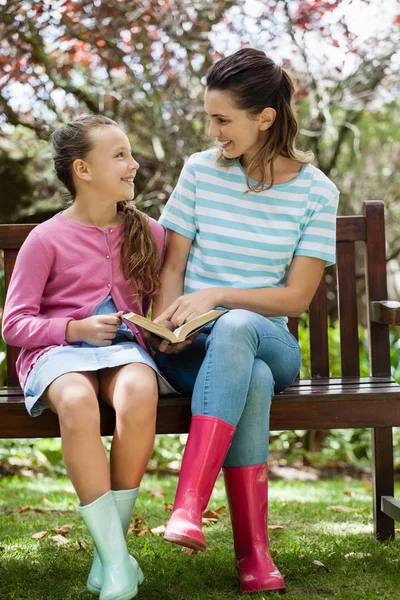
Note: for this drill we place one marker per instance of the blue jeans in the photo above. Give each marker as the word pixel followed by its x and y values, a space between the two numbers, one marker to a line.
pixel 232 369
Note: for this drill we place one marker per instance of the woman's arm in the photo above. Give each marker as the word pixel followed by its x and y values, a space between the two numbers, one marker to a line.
pixel 302 281
pixel 173 271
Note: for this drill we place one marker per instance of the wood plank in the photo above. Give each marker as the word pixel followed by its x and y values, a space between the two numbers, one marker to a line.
pixel 12 352
pixel 391 507
pixel 347 305
pixel 13 236
pixel 318 321
pixel 382 480
pixel 350 229
pixel 385 311
pixel 289 411
pixel 376 287
pixel 293 326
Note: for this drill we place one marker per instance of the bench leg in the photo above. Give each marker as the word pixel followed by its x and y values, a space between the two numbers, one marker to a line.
pixel 382 479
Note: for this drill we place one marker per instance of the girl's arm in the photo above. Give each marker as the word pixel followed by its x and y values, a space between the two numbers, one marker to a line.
pixel 21 325
pixel 173 271
pixel 302 281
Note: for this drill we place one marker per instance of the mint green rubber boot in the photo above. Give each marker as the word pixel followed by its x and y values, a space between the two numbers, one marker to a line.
pixel 125 501
pixel 120 574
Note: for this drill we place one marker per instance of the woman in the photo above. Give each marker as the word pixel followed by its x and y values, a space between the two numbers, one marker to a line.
pixel 250 227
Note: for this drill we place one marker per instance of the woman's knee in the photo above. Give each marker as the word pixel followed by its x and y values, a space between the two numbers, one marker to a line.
pixel 262 382
pixel 236 327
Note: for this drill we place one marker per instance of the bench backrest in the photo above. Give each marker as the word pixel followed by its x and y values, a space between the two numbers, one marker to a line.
pixel 367 231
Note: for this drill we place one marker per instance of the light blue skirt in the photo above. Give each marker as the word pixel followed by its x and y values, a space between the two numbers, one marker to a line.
pixel 83 357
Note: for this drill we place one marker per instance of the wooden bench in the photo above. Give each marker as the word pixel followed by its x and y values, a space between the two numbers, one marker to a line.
pixel 319 403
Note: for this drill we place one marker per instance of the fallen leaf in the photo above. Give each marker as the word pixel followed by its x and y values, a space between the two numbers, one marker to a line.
pixel 318 563
pixel 143 531
pixel 156 494
pixel 357 555
pixel 276 527
pixel 189 551
pixel 2 548
pixel 347 509
pixel 63 530
pixel 346 493
pixel 47 502
pixel 220 509
pixel 297 504
pixel 168 506
pixel 23 508
pixel 59 540
pixel 210 514
pixel 209 521
pixel 39 535
pixel 158 530
pixel 79 545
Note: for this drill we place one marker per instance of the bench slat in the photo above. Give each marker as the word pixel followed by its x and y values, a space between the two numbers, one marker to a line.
pixel 347 305
pixel 318 317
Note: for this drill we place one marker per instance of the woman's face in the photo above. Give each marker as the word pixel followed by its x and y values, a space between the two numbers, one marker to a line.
pixel 236 132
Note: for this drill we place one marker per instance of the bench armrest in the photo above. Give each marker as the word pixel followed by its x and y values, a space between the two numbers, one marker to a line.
pixel 385 311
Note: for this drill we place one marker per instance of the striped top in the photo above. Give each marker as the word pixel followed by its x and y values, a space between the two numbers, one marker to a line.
pixel 249 240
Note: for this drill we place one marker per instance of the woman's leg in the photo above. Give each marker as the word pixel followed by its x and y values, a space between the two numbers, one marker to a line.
pixel 132 391
pixel 227 383
pixel 73 397
pixel 235 341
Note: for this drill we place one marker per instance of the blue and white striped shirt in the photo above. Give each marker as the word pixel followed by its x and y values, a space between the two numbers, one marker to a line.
pixel 249 240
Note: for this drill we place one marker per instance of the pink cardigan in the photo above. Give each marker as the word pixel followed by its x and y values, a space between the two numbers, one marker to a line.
pixel 63 271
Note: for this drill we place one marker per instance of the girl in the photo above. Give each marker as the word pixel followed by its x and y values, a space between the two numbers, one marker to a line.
pixel 250 227
pixel 74 277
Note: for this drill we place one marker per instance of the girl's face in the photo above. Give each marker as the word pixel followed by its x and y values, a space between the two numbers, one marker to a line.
pixel 109 167
pixel 236 132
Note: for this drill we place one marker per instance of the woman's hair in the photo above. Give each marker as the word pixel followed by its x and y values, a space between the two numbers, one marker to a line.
pixel 139 253
pixel 255 82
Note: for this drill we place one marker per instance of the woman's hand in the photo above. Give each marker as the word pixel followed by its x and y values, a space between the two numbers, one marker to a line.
pixel 99 330
pixel 187 307
pixel 161 345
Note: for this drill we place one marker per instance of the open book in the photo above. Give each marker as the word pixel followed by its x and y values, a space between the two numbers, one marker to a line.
pixel 180 333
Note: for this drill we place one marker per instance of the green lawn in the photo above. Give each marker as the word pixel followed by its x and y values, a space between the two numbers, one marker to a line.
pixel 354 567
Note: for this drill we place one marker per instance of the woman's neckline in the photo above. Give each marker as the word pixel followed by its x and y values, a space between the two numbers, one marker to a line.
pixel 275 185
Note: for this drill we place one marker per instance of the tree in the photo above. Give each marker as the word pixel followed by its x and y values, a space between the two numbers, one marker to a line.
pixel 142 63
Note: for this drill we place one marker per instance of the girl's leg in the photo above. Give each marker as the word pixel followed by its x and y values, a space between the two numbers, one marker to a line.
pixel 73 397
pixel 133 392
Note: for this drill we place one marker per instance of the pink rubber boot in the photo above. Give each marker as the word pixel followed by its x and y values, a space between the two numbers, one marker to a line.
pixel 208 442
pixel 247 491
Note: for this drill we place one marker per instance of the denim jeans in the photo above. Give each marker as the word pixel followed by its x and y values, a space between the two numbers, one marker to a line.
pixel 232 369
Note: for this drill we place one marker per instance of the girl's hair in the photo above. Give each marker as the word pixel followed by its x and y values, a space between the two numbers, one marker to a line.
pixel 255 82
pixel 140 260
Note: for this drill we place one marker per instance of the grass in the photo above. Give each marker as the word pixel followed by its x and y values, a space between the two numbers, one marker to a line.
pixel 354 567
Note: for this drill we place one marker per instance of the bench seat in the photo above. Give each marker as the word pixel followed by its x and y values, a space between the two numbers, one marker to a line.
pixel 307 403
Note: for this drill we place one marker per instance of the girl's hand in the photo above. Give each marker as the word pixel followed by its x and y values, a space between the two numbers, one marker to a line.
pixel 185 308
pixel 98 330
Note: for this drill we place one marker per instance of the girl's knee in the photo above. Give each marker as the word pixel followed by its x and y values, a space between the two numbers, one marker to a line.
pixel 78 408
pixel 137 396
